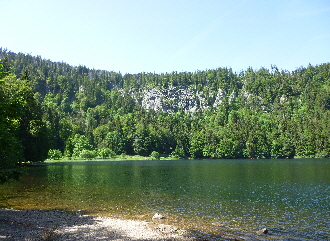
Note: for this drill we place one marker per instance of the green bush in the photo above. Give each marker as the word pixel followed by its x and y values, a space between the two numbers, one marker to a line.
pixel 87 154
pixel 155 155
pixel 54 154
pixel 123 156
pixel 178 152
pixel 80 144
pixel 106 152
pixel 112 154
pixel 322 154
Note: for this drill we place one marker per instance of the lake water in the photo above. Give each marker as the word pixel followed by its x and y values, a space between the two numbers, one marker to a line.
pixel 289 197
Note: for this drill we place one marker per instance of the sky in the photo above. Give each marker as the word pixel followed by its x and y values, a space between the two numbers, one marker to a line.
pixel 133 36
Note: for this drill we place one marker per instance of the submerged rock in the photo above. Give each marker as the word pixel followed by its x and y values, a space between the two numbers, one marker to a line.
pixel 262 231
pixel 218 224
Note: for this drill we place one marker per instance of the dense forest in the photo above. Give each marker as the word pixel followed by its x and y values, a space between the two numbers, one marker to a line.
pixel 53 108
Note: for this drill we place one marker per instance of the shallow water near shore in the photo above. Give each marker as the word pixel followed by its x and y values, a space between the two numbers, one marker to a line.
pixel 288 197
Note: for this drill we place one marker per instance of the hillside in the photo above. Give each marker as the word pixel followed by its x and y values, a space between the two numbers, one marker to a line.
pixel 214 113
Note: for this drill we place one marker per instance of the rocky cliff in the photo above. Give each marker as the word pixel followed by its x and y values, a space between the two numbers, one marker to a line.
pixel 175 98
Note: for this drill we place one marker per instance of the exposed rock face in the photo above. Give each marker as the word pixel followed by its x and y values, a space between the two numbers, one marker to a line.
pixel 219 98
pixel 173 99
pixel 232 97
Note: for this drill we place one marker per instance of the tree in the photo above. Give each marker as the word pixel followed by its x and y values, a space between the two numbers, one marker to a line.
pixel 24 135
pixel 80 144
pixel 282 147
pixel 115 141
pixel 33 131
pixel 142 141
pixel 229 145
pixel 197 145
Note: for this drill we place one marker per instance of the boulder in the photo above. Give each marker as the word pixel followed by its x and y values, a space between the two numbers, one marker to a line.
pixel 158 216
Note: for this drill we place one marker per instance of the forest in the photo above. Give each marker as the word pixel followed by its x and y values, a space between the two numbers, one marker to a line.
pixel 52 109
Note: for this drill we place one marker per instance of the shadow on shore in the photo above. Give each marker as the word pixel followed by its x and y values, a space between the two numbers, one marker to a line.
pixel 59 225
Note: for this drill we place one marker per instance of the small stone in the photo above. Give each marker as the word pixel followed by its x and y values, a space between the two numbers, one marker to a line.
pixel 169 229
pixel 158 216
pixel 218 224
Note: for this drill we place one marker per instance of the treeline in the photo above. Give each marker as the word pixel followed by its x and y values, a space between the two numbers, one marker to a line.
pixel 252 114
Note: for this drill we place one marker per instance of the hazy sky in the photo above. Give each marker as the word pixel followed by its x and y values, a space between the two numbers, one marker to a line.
pixel 133 36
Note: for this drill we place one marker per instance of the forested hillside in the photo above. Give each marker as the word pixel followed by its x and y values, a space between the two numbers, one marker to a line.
pixel 214 113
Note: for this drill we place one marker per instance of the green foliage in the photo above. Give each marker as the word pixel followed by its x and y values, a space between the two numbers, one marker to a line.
pixel 229 146
pixel 143 141
pixel 123 156
pixel 253 114
pixel 178 152
pixel 10 174
pixel 197 145
pixel 23 135
pixel 80 146
pixel 106 153
pixel 87 154
pixel 115 141
pixel 155 155
pixel 282 147
pixel 54 154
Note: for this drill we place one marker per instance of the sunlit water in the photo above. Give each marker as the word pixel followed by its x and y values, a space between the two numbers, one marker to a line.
pixel 289 197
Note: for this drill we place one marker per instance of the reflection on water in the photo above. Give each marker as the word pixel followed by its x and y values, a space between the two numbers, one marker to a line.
pixel 289 197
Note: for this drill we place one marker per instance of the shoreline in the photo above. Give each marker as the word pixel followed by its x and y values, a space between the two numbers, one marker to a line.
pixel 146 158
pixel 25 224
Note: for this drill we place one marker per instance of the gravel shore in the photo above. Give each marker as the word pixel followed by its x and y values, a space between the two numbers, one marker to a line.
pixel 60 225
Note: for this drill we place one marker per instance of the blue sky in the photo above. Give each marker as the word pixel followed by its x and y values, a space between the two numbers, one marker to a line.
pixel 133 36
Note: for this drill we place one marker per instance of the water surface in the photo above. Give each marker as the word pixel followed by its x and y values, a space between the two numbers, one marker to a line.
pixel 289 197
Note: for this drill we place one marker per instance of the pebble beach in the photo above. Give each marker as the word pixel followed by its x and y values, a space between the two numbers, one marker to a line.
pixel 60 225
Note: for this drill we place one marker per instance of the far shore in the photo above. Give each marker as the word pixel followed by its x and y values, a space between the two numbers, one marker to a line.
pixel 116 158
pixel 142 158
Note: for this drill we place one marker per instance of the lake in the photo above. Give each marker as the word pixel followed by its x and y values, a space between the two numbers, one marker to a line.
pixel 289 197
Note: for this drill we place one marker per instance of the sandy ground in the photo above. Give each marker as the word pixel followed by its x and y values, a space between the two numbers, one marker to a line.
pixel 59 225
